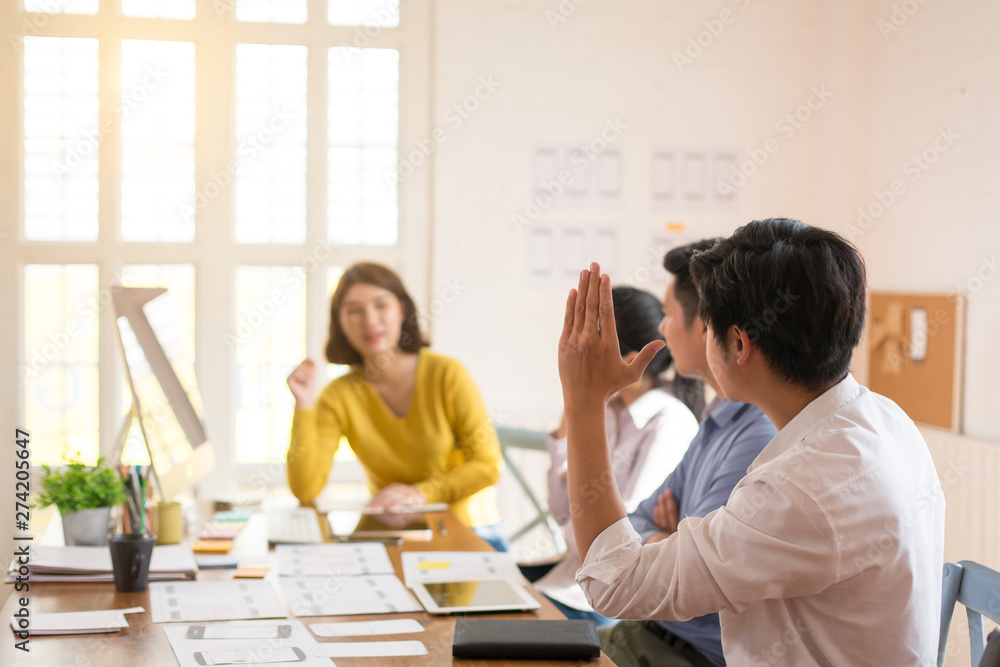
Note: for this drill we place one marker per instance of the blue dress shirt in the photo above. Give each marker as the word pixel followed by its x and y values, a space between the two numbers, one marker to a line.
pixel 730 438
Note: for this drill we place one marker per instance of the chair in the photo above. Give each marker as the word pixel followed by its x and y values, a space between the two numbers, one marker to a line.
pixel 978 588
pixel 515 438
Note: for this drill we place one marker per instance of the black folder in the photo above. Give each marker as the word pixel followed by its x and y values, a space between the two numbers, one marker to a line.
pixel 512 639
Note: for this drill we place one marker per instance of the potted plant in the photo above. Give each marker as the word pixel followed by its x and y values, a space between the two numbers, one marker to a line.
pixel 84 496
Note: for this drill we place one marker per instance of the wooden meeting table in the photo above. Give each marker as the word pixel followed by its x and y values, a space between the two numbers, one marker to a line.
pixel 144 643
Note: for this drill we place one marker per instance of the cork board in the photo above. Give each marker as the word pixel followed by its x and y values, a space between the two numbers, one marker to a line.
pixel 915 354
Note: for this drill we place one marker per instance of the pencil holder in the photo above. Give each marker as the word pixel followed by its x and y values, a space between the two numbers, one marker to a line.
pixel 130 556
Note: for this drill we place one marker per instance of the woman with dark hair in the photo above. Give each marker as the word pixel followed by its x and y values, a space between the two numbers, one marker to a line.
pixel 648 432
pixel 414 418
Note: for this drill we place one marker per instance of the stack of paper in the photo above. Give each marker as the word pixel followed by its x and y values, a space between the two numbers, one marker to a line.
pixel 93 564
pixel 77 622
pixel 320 560
pixel 342 596
pixel 190 601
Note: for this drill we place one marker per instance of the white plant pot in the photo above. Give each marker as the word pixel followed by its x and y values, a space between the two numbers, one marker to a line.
pixel 87 527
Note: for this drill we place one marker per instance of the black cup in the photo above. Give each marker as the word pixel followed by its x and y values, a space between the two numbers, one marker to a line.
pixel 130 554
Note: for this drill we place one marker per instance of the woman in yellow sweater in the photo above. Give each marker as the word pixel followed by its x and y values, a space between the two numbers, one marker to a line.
pixel 413 418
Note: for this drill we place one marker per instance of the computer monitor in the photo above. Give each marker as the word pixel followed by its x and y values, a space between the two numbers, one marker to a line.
pixel 165 397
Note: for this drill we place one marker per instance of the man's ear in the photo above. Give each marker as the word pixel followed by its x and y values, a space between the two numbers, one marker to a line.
pixel 740 344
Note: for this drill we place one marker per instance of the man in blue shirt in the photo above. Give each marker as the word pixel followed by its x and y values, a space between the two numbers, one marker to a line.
pixel 730 438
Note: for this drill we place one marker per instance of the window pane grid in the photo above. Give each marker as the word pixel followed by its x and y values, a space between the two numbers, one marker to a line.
pixel 271 148
pixel 60 139
pixel 268 339
pixel 61 361
pixel 272 11
pixel 363 136
pixel 157 107
pixel 154 117
pixel 160 9
pixel 62 6
pixel 378 13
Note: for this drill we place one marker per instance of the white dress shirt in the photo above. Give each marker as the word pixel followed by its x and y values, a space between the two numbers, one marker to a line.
pixel 647 440
pixel 829 551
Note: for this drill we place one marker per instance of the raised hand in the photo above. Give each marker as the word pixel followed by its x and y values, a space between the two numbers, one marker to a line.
pixel 302 382
pixel 591 367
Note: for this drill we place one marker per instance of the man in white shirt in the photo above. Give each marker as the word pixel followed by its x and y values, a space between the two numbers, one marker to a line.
pixel 829 551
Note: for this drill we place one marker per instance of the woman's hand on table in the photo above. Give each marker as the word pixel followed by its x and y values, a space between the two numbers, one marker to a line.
pixel 397 495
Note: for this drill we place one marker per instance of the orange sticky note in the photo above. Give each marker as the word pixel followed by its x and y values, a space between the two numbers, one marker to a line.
pixel 251 572
pixel 212 546
pixel 433 565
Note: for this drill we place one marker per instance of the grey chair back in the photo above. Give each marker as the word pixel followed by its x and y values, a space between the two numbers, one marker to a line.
pixel 515 438
pixel 978 588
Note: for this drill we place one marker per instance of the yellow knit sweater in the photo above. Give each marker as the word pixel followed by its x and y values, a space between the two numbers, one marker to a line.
pixel 445 445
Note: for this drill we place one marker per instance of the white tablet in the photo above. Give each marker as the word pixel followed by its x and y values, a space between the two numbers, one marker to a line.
pixel 465 597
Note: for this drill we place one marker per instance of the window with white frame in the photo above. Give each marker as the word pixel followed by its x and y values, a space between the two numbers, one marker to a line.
pixel 239 153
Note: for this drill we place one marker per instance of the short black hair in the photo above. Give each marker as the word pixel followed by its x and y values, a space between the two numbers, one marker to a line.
pixel 637 322
pixel 797 291
pixel 678 263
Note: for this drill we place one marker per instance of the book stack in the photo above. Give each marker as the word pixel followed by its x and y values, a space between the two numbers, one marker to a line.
pixel 217 536
pixel 93 564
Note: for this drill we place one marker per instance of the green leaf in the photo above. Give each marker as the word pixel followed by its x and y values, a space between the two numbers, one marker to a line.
pixel 80 487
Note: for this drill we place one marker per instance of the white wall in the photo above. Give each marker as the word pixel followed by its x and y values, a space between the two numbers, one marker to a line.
pixel 560 81
pixel 939 71
pixel 606 60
